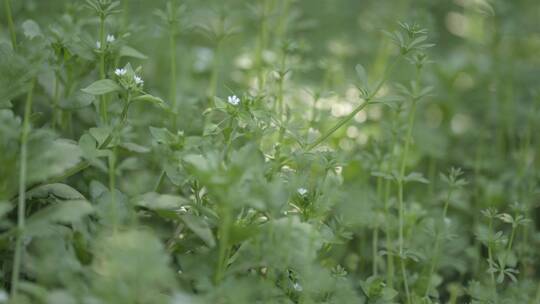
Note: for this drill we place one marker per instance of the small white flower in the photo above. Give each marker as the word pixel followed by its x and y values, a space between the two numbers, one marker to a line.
pixel 98 45
pixel 120 72
pixel 233 100
pixel 297 286
pixel 302 191
pixel 138 80
pixel 110 38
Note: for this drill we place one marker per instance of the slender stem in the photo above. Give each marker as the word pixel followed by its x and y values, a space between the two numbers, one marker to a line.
pixel 359 108
pixel 375 233
pixel 21 208
pixel 11 25
pixel 112 188
pixel 338 125
pixel 56 97
pixel 490 257
pixel 103 100
pixel 159 181
pixel 405 282
pixel 389 246
pixel 223 244
pixel 436 249
pixel 215 73
pixel 375 245
pixel 261 45
pixel 172 50
pixel 400 184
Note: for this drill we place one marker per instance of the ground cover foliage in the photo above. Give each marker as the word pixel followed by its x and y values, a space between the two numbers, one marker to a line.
pixel 269 151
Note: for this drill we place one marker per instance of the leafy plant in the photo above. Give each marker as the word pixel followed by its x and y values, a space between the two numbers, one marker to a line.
pixel 278 151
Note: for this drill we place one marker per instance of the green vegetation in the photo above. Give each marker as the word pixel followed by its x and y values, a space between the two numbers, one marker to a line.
pixel 269 151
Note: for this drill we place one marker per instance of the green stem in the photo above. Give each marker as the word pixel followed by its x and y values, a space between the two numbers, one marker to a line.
pixel 159 181
pixel 223 244
pixel 103 100
pixel 436 250
pixel 400 185
pixel 215 73
pixel 172 49
pixel 261 45
pixel 405 282
pixel 359 108
pixel 11 25
pixel 112 187
pixel 389 246
pixel 56 112
pixel 375 233
pixel 490 257
pixel 21 208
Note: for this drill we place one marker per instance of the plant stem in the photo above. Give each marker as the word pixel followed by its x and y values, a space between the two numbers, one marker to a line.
pixel 402 173
pixel 375 233
pixel 436 250
pixel 11 25
pixel 389 246
pixel 490 258
pixel 261 45
pixel 172 49
pixel 215 73
pixel 223 244
pixel 405 282
pixel 21 208
pixel 359 108
pixel 159 181
pixel 103 99
pixel 112 187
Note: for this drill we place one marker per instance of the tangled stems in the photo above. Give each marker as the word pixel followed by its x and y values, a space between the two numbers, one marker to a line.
pixel 21 208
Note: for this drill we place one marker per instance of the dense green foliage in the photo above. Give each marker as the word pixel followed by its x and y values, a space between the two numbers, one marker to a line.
pixel 269 151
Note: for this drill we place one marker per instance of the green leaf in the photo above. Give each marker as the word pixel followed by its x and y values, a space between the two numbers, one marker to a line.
pixel 76 101
pixel 127 51
pixel 150 98
pixel 362 75
pixel 101 87
pixel 162 135
pixel 48 157
pixel 200 228
pixel 57 190
pixel 65 212
pixel 415 177
pixel 156 201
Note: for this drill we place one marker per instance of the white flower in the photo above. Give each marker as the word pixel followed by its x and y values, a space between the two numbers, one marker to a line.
pixel 297 286
pixel 138 80
pixel 98 45
pixel 233 100
pixel 110 38
pixel 302 191
pixel 120 72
